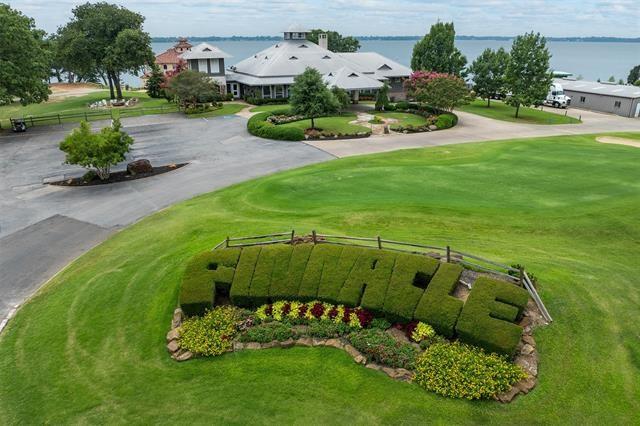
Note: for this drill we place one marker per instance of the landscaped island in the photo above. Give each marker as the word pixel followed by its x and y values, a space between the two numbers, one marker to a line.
pixel 411 315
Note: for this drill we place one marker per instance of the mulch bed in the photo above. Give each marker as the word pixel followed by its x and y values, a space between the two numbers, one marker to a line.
pixel 121 176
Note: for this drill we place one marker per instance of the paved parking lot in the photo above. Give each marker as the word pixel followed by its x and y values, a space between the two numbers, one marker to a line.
pixel 52 225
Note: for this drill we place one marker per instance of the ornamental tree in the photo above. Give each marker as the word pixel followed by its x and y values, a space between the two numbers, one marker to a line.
pixel 154 82
pixel 192 87
pixel 634 75
pixel 309 96
pixel 25 63
pixel 489 72
pixel 382 97
pixel 97 151
pixel 437 51
pixel 438 90
pixel 342 97
pixel 528 76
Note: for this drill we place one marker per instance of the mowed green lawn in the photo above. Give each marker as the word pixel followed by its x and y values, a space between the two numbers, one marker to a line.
pixel 338 124
pixel 77 104
pixel 273 107
pixel 228 108
pixel 89 348
pixel 501 111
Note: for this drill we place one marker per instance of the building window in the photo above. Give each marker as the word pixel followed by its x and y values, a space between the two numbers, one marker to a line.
pixel 617 104
pixel 582 99
pixel 165 66
pixel 266 91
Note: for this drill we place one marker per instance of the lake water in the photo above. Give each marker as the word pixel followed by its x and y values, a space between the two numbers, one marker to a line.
pixel 591 60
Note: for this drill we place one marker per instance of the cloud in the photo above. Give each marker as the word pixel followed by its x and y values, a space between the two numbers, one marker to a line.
pixel 364 17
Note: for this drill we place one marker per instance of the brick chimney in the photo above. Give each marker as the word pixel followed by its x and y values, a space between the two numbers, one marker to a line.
pixel 323 41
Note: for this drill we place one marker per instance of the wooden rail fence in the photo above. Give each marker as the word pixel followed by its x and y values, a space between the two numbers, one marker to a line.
pixel 447 254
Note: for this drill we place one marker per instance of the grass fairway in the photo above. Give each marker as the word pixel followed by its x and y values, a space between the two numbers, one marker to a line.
pixel 89 348
pixel 77 104
pixel 501 111
pixel 331 124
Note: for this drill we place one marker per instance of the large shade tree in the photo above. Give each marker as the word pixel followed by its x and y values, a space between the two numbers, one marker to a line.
pixel 634 76
pixel 528 76
pixel 192 87
pixel 108 39
pixel 488 71
pixel 437 51
pixel 438 90
pixel 336 41
pixel 309 96
pixel 25 63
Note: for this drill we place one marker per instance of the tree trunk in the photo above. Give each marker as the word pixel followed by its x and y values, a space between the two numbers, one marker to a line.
pixel 517 110
pixel 488 101
pixel 111 93
pixel 116 82
pixel 313 126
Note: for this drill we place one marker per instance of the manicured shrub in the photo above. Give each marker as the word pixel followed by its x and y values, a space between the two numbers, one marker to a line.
pixel 204 273
pixel 265 101
pixel 240 289
pixel 336 266
pixel 437 307
pixel 478 324
pixel 211 334
pixel 446 121
pixel 377 345
pixel 457 370
pixel 279 272
pixel 411 274
pixel 323 260
pixel 286 288
pixel 368 280
pixel 261 282
pixel 268 332
pixel 258 126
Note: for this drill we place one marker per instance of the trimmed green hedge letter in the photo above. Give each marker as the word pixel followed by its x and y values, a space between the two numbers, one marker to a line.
pixel 488 317
pixel 243 276
pixel 206 274
pixel 411 275
pixel 437 306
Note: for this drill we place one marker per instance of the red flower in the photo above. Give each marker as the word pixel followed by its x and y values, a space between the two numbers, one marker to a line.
pixel 365 317
pixel 347 314
pixel 408 329
pixel 286 308
pixel 302 311
pixel 317 310
pixel 333 312
pixel 269 310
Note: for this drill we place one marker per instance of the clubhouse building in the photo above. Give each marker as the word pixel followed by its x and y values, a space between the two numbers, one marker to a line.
pixel 270 72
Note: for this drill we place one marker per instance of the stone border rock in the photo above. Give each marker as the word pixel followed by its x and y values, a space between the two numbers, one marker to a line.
pixel 526 357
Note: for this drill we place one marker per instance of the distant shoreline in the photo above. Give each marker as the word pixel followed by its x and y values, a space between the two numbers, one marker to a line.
pixel 394 38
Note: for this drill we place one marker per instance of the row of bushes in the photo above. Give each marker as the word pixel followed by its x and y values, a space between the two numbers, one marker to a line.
pixel 259 126
pixel 265 101
pixel 399 286
pixel 200 108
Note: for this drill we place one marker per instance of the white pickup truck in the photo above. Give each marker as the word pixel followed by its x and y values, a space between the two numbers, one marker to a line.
pixel 556 97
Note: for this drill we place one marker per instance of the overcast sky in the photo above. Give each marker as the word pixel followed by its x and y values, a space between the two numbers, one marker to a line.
pixel 619 18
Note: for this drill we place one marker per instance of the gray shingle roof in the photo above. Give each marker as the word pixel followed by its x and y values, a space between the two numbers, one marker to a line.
pixel 289 58
pixel 205 51
pixel 622 91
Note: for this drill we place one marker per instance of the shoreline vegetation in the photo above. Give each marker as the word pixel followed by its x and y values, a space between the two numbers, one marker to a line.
pixel 171 39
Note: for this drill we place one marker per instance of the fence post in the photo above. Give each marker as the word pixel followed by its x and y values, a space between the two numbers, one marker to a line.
pixel 313 236
pixel 59 120
pixel 226 242
pixel 31 120
pixel 85 116
pixel 293 233
pixel 448 254
pixel 521 277
pixel 379 242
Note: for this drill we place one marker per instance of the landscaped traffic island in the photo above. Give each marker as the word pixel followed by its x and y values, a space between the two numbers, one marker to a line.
pixel 417 317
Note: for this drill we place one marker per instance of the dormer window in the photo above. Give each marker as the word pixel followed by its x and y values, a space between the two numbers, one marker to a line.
pixel 293 58
pixel 206 49
pixel 326 57
pixel 303 46
pixel 384 67
pixel 353 74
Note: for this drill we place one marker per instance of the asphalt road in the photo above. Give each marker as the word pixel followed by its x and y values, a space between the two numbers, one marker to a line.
pixel 44 227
